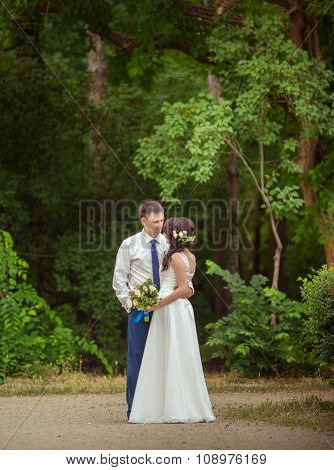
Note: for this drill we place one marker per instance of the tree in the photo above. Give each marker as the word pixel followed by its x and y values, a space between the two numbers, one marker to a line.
pixel 196 133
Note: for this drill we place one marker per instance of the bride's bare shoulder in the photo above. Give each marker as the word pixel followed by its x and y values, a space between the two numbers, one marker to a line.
pixel 175 256
pixel 191 255
pixel 176 261
pixel 179 255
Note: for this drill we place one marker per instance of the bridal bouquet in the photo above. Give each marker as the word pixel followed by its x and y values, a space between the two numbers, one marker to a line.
pixel 142 297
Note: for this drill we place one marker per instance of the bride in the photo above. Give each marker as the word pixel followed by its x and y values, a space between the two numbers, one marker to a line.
pixel 171 386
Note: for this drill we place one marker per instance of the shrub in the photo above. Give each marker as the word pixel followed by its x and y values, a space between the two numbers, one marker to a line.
pixel 246 340
pixel 31 333
pixel 317 292
pixel 85 296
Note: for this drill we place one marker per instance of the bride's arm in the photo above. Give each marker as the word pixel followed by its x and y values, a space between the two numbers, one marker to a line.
pixel 182 284
pixel 190 292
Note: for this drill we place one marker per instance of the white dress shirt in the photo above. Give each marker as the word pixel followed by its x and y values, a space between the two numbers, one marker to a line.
pixel 134 264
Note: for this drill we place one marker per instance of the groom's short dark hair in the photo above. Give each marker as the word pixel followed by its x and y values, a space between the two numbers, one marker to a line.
pixel 147 207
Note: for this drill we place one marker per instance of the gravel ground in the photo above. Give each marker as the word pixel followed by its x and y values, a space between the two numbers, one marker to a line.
pixel 98 421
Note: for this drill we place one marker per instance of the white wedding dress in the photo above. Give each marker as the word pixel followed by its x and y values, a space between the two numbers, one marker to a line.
pixel 171 386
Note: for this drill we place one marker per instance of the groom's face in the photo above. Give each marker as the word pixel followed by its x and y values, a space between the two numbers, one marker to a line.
pixel 153 223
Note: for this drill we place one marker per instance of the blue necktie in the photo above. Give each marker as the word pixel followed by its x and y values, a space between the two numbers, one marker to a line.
pixel 155 264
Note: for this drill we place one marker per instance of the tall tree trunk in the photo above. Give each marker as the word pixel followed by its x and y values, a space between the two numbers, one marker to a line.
pixel 231 255
pixel 274 228
pixel 303 29
pixel 98 84
pixel 231 261
pixel 273 223
pixel 257 234
pixel 234 240
pixel 281 229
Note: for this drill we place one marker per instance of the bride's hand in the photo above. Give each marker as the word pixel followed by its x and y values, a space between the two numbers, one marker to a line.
pixel 153 307
pixel 149 309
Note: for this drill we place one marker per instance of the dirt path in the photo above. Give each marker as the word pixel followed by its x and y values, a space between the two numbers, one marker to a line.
pixel 98 421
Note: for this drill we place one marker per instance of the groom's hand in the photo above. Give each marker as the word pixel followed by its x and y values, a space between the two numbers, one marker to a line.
pixel 188 294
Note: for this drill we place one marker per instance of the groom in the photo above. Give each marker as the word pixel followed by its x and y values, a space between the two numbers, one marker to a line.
pixel 139 257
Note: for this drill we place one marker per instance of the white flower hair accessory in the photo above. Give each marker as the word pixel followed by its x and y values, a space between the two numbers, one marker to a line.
pixel 183 236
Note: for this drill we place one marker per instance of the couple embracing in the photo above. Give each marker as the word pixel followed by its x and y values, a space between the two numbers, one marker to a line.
pixel 165 380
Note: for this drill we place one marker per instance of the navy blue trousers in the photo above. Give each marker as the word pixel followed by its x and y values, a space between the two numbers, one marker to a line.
pixel 137 334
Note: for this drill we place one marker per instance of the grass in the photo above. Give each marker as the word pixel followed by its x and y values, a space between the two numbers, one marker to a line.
pixel 310 412
pixel 51 382
pixel 230 382
pixel 67 382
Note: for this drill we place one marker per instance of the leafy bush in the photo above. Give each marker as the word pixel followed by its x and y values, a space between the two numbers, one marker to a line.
pixel 31 333
pixel 318 293
pixel 86 297
pixel 246 340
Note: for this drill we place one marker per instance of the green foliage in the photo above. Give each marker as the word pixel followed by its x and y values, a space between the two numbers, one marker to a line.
pixel 154 26
pixel 87 300
pixel 31 333
pixel 283 201
pixel 321 180
pixel 195 134
pixel 271 71
pixel 268 87
pixel 318 293
pixel 46 165
pixel 186 144
pixel 246 340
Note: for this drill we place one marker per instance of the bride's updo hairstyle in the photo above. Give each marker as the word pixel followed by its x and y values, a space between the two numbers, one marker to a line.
pixel 178 231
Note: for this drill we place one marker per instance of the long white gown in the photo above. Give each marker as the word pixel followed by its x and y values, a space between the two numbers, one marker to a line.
pixel 171 387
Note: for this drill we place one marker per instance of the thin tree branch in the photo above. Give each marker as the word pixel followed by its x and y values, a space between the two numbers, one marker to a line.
pixel 261 165
pixel 127 45
pixel 284 3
